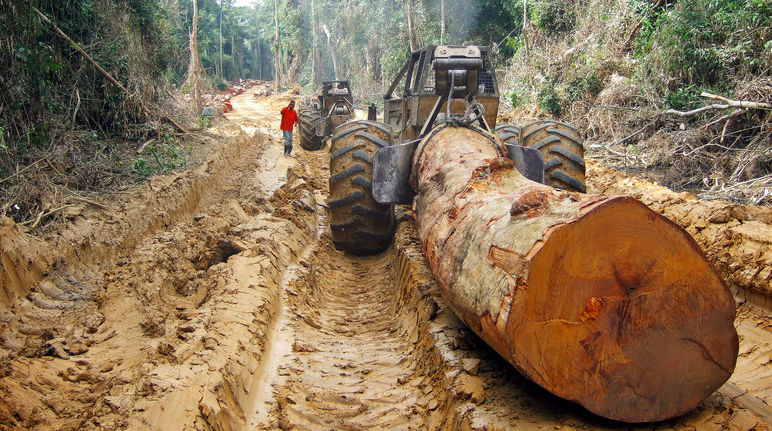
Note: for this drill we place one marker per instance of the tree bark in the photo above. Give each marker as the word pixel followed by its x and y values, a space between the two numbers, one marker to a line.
pixel 442 22
pixel 524 32
pixel 277 43
pixel 315 46
pixel 333 51
pixel 597 299
pixel 220 72
pixel 411 27
pixel 194 71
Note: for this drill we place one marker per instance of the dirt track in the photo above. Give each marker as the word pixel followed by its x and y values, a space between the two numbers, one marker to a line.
pixel 213 299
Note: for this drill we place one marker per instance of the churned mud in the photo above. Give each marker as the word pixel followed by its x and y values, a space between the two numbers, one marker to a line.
pixel 214 299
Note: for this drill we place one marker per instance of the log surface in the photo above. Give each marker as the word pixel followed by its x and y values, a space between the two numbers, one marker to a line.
pixel 597 299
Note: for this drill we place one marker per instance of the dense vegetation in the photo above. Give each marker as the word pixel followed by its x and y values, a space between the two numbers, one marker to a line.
pixel 611 67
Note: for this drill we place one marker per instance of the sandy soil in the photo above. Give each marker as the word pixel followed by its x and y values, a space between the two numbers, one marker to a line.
pixel 213 299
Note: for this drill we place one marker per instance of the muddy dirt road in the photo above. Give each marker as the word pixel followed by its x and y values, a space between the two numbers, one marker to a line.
pixel 213 299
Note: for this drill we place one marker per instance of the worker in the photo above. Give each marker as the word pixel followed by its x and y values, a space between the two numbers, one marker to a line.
pixel 289 117
pixel 206 116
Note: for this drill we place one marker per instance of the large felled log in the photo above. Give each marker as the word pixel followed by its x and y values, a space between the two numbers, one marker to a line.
pixel 597 299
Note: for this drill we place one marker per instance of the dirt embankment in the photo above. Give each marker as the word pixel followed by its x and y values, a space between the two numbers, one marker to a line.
pixel 737 239
pixel 214 300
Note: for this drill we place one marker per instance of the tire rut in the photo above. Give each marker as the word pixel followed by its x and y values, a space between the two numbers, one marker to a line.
pixel 348 353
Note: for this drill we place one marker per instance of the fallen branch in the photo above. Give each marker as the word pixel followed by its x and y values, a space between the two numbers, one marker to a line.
pixel 726 103
pixel 142 147
pixel 627 138
pixel 80 50
pixel 737 103
pixel 723 118
pixel 176 124
pixel 77 106
pixel 44 214
pixel 23 170
pixel 695 111
pixel 89 201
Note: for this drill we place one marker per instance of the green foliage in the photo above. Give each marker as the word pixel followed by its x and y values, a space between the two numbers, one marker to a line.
pixel 140 169
pixel 703 43
pixel 683 98
pixel 580 86
pixel 549 99
pixel 554 16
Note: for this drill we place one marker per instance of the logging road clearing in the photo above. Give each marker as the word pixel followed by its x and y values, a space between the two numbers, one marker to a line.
pixel 214 299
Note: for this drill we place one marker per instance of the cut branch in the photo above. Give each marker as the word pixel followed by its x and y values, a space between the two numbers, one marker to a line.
pixel 726 103
pixel 737 103
pixel 695 111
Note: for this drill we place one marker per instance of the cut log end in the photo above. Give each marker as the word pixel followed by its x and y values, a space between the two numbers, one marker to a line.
pixel 624 315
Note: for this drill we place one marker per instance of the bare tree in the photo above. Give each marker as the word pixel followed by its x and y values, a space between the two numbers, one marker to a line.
pixel 315 43
pixel 442 24
pixel 195 68
pixel 220 71
pixel 411 27
pixel 277 42
pixel 333 51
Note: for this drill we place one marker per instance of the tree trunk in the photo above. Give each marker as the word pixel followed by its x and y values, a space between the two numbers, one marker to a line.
pixel 315 46
pixel 277 43
pixel 220 72
pixel 241 58
pixel 194 70
pixel 333 51
pixel 233 57
pixel 442 20
pixel 259 59
pixel 410 26
pixel 597 299
pixel 525 35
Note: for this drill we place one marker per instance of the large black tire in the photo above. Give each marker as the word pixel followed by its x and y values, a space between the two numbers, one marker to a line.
pixel 508 133
pixel 563 152
pixel 308 117
pixel 359 224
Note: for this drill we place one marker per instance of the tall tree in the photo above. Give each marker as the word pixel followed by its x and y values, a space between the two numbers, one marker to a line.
pixel 314 45
pixel 277 42
pixel 333 51
pixel 411 27
pixel 195 68
pixel 220 73
pixel 442 22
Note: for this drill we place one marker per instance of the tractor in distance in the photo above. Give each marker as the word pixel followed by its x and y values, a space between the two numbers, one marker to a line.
pixel 333 108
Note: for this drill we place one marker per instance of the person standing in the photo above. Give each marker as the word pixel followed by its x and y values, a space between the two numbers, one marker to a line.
pixel 289 117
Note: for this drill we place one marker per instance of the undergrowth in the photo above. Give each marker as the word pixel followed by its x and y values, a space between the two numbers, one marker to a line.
pixel 613 69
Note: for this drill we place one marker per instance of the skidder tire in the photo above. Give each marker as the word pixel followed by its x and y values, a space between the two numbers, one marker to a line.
pixel 509 133
pixel 308 117
pixel 563 152
pixel 359 224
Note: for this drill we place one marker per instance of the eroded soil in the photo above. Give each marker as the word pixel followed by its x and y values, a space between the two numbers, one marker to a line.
pixel 213 299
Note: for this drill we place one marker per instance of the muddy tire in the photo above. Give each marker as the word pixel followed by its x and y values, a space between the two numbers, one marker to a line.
pixel 359 224
pixel 308 117
pixel 563 152
pixel 508 133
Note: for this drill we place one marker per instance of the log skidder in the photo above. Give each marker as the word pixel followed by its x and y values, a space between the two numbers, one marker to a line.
pixel 597 299
pixel 318 122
